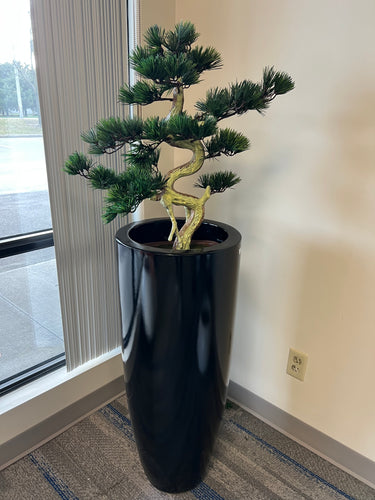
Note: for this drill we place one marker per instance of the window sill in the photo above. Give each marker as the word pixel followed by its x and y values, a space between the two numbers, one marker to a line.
pixel 23 411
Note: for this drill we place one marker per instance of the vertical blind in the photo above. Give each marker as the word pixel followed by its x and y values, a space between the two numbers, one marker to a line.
pixel 81 53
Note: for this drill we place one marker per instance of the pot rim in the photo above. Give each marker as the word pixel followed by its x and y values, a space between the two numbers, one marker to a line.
pixel 233 238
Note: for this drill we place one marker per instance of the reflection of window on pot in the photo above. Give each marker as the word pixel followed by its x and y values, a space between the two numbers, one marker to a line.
pixel 177 276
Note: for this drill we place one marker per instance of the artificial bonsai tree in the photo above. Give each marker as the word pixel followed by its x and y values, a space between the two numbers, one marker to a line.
pixel 168 64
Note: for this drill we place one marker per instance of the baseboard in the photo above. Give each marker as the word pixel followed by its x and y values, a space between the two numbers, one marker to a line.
pixel 24 443
pixel 340 455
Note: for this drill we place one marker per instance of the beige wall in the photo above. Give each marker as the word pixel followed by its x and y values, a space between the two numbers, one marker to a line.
pixel 306 206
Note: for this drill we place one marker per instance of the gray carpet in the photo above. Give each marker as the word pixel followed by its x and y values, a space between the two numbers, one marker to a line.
pixel 97 459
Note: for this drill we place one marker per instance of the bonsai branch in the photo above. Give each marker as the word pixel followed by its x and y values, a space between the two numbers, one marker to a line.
pixel 194 207
pixel 177 101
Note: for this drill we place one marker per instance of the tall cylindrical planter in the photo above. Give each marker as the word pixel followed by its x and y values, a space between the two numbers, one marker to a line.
pixel 177 313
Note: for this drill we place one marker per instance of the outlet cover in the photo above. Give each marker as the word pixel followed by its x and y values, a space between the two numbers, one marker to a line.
pixel 297 364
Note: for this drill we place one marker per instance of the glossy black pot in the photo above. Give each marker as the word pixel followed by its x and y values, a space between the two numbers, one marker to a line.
pixel 177 313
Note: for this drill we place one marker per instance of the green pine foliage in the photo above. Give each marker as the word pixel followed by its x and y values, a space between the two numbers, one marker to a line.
pixel 110 135
pixel 245 96
pixel 181 38
pixel 102 177
pixel 168 64
pixel 125 191
pixel 155 129
pixel 78 164
pixel 141 93
pixel 218 181
pixel 143 156
pixel 227 142
pixel 132 187
pixel 185 127
pixel 167 61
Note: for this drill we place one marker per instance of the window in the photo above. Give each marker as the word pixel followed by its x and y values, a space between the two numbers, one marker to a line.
pixel 31 337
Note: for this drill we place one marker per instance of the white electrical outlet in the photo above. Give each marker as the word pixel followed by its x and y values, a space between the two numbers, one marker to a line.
pixel 297 364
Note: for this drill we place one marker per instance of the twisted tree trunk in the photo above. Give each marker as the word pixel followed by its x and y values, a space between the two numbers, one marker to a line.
pixel 194 207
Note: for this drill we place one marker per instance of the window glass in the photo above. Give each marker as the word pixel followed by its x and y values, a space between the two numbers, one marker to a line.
pixel 30 326
pixel 24 199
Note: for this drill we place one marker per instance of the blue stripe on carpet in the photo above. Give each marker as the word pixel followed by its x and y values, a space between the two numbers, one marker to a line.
pixel 204 492
pixel 58 485
pixel 118 420
pixel 285 458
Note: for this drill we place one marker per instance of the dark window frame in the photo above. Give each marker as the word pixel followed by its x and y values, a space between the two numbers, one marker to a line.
pixel 15 245
pixel 30 374
pixel 22 243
